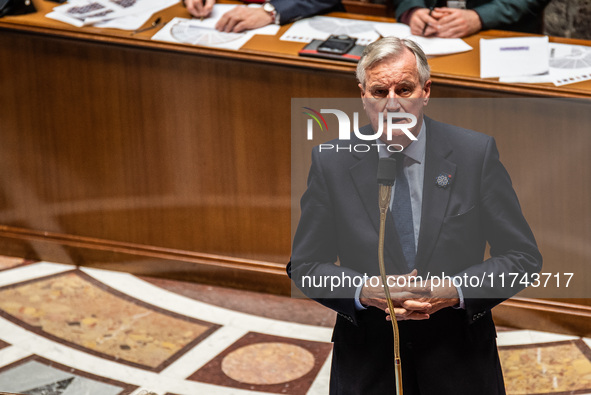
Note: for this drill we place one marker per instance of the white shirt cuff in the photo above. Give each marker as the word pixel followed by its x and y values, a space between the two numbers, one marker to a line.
pixel 358 304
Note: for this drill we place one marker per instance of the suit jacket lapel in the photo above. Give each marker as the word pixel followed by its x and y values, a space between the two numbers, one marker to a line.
pixel 435 198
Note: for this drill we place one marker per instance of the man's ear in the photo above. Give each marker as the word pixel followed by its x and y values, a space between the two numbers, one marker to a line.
pixel 426 92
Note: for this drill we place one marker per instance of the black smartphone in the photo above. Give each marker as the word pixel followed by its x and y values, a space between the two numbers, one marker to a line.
pixel 337 44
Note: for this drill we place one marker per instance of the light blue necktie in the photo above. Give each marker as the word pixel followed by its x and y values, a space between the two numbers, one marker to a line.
pixel 402 212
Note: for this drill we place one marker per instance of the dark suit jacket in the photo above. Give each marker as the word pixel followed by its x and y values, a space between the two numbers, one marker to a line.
pixel 454 352
pixel 292 10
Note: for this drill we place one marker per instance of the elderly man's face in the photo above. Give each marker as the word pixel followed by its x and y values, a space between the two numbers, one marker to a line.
pixel 393 85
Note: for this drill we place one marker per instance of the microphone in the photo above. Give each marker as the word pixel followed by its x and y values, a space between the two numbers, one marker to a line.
pixel 386 177
pixel 386 171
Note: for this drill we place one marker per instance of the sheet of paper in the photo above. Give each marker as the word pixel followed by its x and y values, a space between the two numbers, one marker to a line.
pixel 399 30
pixel 131 13
pixel 130 22
pixel 431 46
pixel 192 31
pixel 506 57
pixel 441 46
pixel 321 27
pixel 568 64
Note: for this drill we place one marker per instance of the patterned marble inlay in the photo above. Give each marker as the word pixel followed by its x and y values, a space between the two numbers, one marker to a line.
pixel 75 308
pixel 38 376
pixel 266 363
pixel 547 368
pixel 3 344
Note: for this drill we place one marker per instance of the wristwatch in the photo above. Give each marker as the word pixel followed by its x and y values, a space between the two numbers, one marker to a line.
pixel 269 8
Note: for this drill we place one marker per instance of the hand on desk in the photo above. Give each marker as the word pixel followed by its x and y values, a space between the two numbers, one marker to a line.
pixel 421 20
pixel 455 22
pixel 243 18
pixel 445 22
pixel 199 8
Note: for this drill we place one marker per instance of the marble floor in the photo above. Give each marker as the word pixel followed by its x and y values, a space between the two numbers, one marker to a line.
pixel 79 331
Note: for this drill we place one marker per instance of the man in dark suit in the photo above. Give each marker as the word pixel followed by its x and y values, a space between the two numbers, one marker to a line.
pixel 459 197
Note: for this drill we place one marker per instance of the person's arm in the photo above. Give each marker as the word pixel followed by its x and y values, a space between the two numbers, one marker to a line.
pixel 314 252
pixel 292 10
pixel 455 22
pixel 513 248
pixel 402 6
pixel 243 18
pixel 501 13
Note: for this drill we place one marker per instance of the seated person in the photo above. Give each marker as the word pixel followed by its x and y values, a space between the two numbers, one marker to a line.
pixel 273 11
pixel 462 18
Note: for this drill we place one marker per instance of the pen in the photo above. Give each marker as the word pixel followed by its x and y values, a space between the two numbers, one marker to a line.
pixel 152 26
pixel 426 24
pixel 201 19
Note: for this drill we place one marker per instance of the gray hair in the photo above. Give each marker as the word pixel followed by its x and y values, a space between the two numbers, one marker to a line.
pixel 391 47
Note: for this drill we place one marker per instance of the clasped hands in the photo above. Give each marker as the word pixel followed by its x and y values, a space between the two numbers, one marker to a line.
pixel 236 20
pixel 412 300
pixel 444 22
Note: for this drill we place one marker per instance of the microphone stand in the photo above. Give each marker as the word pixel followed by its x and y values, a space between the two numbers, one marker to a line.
pixel 386 176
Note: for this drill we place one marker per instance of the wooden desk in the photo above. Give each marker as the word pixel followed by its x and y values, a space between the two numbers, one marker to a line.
pixel 175 160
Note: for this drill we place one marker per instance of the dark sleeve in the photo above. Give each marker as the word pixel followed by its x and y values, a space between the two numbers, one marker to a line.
pixel 292 10
pixel 502 13
pixel 401 6
pixel 314 252
pixel 513 249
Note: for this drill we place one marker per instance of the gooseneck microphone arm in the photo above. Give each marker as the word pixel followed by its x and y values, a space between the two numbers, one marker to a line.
pixel 386 177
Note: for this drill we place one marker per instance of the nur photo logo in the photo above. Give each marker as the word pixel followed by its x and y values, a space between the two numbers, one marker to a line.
pixel 344 122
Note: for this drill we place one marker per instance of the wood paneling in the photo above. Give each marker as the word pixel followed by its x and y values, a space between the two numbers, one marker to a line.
pixel 148 147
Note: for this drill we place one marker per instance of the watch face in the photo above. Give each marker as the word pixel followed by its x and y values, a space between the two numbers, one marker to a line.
pixel 268 7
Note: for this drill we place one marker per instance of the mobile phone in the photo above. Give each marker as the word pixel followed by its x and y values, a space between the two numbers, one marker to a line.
pixel 337 44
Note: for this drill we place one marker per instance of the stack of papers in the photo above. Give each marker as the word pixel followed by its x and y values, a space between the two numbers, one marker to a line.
pixel 121 14
pixel 534 60
pixel 321 27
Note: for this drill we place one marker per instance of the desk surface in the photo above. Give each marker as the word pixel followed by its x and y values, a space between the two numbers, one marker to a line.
pixel 459 69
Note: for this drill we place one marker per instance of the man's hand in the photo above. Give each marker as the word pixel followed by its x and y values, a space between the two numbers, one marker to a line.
pixel 437 298
pixel 243 18
pixel 419 19
pixel 409 301
pixel 199 8
pixel 455 22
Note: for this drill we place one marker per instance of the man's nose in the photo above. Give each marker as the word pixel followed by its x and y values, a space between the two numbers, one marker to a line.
pixel 392 102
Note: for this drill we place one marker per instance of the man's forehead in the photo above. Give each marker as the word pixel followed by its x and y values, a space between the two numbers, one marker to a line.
pixel 389 73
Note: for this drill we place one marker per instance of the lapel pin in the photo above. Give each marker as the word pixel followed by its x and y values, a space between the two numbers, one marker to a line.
pixel 443 180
